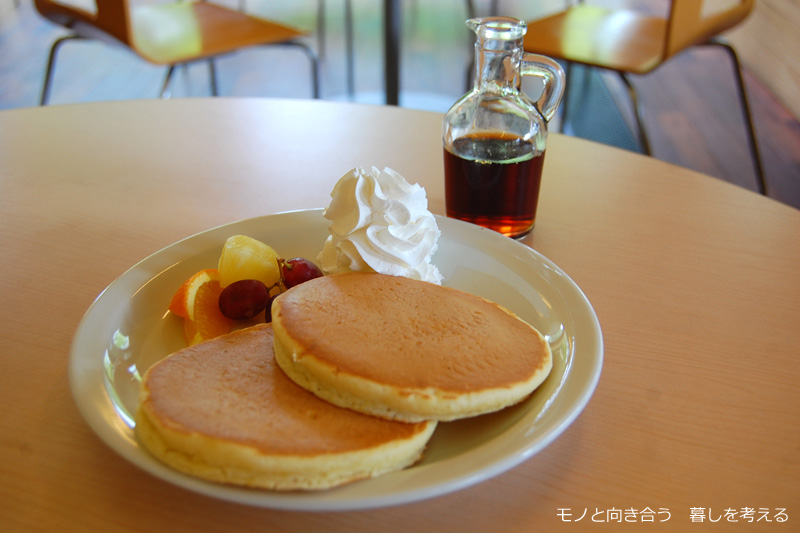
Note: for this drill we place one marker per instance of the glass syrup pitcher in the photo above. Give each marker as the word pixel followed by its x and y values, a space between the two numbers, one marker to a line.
pixel 494 137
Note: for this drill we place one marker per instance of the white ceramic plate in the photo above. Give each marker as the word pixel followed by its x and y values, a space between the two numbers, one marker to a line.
pixel 128 328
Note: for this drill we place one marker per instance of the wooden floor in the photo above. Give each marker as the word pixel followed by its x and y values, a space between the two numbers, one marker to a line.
pixel 693 115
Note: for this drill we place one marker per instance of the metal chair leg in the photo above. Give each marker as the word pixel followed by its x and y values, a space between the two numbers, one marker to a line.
pixel 321 41
pixel 212 73
pixel 312 58
pixel 51 63
pixel 349 45
pixel 568 71
pixel 755 154
pixel 639 113
pixel 165 89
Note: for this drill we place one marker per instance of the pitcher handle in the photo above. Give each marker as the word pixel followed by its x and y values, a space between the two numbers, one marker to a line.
pixel 552 76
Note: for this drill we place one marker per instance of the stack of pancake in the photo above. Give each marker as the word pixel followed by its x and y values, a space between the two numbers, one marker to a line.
pixel 348 382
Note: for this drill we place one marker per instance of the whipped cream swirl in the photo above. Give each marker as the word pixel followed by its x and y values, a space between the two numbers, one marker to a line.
pixel 380 223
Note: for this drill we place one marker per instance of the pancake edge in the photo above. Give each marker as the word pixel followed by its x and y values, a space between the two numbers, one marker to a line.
pixel 236 464
pixel 218 460
pixel 406 404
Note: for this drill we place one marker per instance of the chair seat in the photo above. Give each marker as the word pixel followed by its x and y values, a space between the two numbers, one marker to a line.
pixel 622 40
pixel 174 33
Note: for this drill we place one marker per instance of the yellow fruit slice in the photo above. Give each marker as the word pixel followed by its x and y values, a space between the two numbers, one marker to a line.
pixel 246 258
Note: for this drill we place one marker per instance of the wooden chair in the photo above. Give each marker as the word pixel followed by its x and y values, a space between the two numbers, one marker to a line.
pixel 170 34
pixel 632 42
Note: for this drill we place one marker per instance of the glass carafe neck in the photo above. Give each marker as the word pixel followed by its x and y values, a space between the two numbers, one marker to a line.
pixel 497 72
pixel 498 52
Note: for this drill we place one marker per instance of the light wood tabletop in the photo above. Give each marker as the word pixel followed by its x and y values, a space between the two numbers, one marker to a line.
pixel 696 284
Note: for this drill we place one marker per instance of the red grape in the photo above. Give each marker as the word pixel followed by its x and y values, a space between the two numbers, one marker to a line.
pixel 298 270
pixel 243 299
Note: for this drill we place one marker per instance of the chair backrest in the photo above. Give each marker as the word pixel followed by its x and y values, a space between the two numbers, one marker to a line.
pixel 696 21
pixel 111 16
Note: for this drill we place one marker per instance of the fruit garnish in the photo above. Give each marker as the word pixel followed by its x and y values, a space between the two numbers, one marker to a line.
pixel 182 303
pixel 208 322
pixel 249 277
pixel 298 270
pixel 243 299
pixel 197 302
pixel 244 257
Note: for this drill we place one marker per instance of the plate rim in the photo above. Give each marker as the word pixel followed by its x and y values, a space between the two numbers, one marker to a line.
pixel 110 431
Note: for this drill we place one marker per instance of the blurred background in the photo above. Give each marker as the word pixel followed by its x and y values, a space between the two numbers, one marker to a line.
pixel 693 116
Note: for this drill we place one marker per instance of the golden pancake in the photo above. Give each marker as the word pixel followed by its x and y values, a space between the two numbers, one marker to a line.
pixel 404 349
pixel 222 410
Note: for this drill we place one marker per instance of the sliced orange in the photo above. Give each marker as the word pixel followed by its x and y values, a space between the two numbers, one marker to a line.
pixel 182 303
pixel 208 322
pixel 191 333
pixel 197 302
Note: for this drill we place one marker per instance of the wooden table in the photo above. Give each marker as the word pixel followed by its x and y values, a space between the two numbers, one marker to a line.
pixel 696 284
